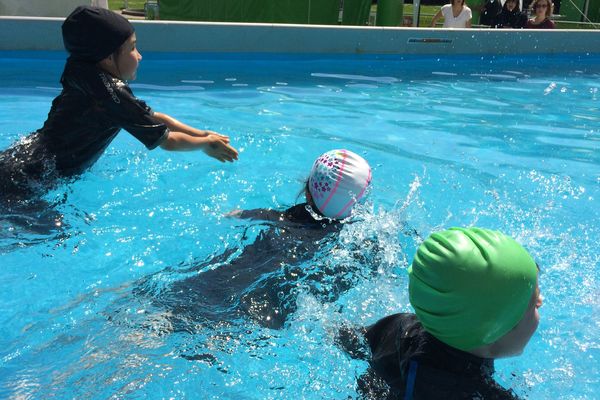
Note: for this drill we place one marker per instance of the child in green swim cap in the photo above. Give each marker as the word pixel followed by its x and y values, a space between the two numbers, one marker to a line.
pixel 476 298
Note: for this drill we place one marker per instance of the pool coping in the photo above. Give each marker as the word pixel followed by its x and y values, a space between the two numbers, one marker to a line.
pixel 40 33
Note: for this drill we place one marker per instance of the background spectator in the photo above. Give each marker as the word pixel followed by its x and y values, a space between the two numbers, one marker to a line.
pixel 456 15
pixel 542 10
pixel 511 16
pixel 489 12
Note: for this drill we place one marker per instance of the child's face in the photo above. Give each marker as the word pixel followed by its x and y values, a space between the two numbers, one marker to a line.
pixel 514 342
pixel 128 59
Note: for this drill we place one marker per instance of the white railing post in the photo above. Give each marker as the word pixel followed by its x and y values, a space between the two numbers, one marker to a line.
pixel 416 12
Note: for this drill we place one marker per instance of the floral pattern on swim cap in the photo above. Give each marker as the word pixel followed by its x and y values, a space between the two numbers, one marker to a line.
pixel 320 180
pixel 338 179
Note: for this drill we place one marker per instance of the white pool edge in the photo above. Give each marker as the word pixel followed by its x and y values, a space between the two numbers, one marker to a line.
pixel 38 33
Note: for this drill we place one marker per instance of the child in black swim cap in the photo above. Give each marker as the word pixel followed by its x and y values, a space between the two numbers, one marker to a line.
pixel 94 105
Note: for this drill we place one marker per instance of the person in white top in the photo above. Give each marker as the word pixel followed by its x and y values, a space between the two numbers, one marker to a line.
pixel 456 15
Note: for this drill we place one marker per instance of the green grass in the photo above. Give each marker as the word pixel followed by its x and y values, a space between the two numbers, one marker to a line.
pixel 427 13
pixel 133 4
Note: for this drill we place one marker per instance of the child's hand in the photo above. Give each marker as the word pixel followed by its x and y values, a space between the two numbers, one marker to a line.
pixel 226 138
pixel 217 146
pixel 234 214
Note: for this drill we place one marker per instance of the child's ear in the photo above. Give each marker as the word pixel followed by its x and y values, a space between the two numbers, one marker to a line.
pixel 108 61
pixel 108 64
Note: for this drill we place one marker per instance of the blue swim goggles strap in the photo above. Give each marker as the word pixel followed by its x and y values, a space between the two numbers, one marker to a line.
pixel 410 380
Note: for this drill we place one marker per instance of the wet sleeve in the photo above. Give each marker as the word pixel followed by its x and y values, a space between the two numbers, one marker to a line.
pixel 135 116
pixel 117 102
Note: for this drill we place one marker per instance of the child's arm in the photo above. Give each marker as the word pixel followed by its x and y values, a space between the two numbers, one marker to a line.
pixel 178 126
pixel 183 137
pixel 263 214
pixel 213 145
pixel 132 114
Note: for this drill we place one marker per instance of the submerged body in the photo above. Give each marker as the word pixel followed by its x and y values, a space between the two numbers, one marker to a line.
pixel 260 281
pixel 256 283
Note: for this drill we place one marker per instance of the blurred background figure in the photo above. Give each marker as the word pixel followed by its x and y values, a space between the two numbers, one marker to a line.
pixel 542 10
pixel 511 16
pixel 489 12
pixel 456 15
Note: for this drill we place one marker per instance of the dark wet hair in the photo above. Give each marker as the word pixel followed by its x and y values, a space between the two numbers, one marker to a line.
pixel 516 9
pixel 310 202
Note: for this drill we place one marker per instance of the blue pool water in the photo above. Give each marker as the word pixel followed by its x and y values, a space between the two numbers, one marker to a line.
pixel 505 143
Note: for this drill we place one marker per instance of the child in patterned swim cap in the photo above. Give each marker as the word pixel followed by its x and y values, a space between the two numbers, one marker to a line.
pixel 257 281
pixel 338 180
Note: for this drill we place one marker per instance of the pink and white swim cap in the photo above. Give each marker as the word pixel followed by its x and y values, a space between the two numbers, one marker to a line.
pixel 338 179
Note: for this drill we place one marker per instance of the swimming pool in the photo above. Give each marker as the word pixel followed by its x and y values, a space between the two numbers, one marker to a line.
pixel 506 143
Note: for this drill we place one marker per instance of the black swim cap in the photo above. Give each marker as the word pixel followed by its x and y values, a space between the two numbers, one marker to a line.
pixel 92 33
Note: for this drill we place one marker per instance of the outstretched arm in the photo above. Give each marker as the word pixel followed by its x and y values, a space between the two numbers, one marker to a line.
pixel 263 214
pixel 183 137
pixel 178 126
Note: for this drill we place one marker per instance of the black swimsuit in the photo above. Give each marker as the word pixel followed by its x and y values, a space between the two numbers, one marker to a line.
pixel 87 115
pixel 415 365
pixel 259 282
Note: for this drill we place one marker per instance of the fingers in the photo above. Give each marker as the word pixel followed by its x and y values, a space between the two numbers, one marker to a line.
pixel 220 149
pixel 225 155
pixel 231 152
pixel 224 137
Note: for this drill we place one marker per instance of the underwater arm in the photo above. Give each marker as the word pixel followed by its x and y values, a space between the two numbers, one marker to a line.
pixel 262 214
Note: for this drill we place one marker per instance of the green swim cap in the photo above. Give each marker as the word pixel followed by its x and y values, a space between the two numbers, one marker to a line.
pixel 469 287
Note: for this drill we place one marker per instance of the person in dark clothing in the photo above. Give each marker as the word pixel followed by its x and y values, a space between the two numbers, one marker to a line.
pixel 476 297
pixel 542 10
pixel 511 16
pixel 489 12
pixel 94 105
pixel 258 280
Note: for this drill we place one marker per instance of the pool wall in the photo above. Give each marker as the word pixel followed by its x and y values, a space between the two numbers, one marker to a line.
pixel 36 33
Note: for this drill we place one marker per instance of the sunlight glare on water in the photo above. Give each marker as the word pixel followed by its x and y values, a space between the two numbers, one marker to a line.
pixel 511 144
